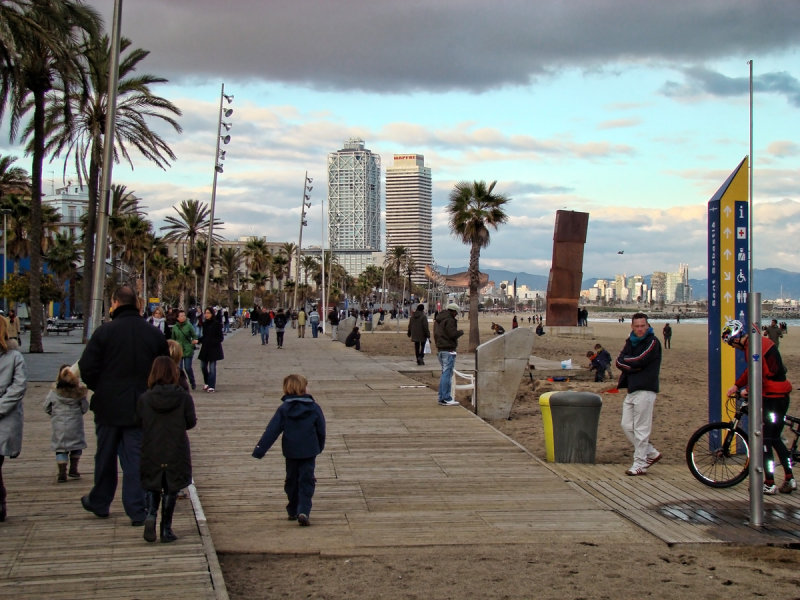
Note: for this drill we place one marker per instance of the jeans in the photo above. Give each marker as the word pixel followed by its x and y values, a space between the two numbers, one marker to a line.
pixel 186 365
pixel 265 334
pixel 299 485
pixel 279 337
pixel 123 444
pixel 209 370
pixel 448 360
pixel 314 325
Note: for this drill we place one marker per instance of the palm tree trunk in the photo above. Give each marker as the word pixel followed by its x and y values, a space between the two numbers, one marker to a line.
pixel 474 281
pixel 35 275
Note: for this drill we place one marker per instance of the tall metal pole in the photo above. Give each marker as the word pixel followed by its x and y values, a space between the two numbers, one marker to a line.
pixel 213 201
pixel 754 365
pixel 101 238
pixel 303 205
pixel 322 295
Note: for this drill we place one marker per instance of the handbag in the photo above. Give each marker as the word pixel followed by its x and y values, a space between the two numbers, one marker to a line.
pixel 427 349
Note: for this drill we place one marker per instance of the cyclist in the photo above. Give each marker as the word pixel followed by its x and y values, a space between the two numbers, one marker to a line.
pixel 775 389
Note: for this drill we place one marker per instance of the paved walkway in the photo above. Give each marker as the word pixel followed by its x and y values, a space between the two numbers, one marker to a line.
pixel 398 470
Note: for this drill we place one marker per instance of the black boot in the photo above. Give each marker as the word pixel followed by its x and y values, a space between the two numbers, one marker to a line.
pixel 2 501
pixel 167 509
pixel 151 500
pixel 62 472
pixel 73 467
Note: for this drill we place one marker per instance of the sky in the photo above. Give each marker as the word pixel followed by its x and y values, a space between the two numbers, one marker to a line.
pixel 635 112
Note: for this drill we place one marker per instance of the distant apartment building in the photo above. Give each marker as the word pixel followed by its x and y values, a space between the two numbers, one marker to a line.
pixel 408 210
pixel 71 202
pixel 354 206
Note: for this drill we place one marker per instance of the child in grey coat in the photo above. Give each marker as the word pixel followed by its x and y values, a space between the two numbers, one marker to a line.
pixel 66 404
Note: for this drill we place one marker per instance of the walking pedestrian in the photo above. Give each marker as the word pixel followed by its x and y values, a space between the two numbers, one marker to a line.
pixel 186 336
pixel 13 382
pixel 166 412
pixel 302 424
pixel 211 350
pixel 115 365
pixel 419 332
pixel 66 403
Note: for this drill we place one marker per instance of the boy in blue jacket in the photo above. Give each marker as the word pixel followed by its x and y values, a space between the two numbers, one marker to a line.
pixel 302 423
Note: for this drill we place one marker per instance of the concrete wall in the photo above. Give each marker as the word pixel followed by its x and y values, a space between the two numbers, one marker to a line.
pixel 500 364
pixel 345 327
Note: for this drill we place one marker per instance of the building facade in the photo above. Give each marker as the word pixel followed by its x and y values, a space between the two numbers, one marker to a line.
pixel 354 206
pixel 408 210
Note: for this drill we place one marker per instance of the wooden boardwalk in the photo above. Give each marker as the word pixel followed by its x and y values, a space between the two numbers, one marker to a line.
pixel 398 471
pixel 51 548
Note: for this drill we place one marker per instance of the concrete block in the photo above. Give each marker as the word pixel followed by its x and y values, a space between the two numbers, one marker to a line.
pixel 345 327
pixel 500 364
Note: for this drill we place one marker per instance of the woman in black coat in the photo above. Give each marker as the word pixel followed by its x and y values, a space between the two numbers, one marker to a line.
pixel 211 351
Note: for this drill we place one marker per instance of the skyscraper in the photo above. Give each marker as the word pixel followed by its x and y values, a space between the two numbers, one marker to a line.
pixel 354 205
pixel 408 210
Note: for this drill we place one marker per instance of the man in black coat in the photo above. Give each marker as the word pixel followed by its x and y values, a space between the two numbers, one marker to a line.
pixel 115 365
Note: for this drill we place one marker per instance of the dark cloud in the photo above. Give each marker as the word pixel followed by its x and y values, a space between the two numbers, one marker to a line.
pixel 473 45
pixel 702 81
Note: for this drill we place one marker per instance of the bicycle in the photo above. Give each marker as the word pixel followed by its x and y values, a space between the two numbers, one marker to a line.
pixel 718 454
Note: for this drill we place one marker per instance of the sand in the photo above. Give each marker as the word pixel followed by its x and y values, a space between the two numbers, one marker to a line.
pixel 635 570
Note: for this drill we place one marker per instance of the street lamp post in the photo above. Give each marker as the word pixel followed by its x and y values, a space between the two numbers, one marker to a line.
pixel 218 158
pixel 304 204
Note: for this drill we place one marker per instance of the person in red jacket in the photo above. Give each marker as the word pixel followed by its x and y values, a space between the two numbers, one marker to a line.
pixel 775 390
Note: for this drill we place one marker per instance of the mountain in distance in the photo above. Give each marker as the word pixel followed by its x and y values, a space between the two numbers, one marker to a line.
pixel 771 283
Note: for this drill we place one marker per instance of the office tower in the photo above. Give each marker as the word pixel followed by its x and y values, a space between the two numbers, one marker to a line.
pixel 408 210
pixel 354 206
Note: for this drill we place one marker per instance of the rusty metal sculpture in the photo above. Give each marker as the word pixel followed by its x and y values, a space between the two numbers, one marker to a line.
pixel 566 270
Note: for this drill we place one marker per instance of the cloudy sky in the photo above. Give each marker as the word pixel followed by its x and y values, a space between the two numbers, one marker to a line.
pixel 633 111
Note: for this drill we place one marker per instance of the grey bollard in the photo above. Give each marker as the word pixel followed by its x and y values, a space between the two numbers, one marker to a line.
pixel 570 425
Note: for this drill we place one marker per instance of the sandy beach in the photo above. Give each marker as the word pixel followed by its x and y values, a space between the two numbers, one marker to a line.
pixel 640 569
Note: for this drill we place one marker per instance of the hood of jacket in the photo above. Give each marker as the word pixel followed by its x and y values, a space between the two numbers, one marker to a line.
pixel 163 398
pixel 70 393
pixel 298 407
pixel 442 315
pixel 419 314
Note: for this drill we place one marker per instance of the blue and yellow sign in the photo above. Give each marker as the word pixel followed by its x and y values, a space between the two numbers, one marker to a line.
pixel 728 284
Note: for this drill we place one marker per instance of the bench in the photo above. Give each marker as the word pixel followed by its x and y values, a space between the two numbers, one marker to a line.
pixel 60 327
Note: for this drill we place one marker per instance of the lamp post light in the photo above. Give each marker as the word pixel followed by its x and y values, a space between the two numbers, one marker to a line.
pixel 219 156
pixel 304 204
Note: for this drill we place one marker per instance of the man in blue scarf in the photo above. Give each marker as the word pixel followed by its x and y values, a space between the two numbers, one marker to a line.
pixel 640 363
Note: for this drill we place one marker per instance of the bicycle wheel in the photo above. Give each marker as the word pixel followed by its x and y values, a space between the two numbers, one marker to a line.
pixel 718 455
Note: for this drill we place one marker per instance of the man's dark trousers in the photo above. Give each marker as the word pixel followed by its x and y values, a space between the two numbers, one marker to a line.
pixel 125 444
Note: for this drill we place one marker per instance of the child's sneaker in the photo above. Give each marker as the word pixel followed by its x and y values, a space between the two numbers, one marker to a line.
pixel 770 489
pixel 788 486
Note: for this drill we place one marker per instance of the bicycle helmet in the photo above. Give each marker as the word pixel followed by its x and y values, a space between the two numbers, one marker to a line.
pixel 732 331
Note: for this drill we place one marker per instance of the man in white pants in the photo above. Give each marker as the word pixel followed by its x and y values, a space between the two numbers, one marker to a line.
pixel 640 363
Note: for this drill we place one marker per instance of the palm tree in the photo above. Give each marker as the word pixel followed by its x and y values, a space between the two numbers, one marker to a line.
pixel 45 66
pixel 229 261
pixel 183 279
pixel 309 264
pixel 473 208
pixel 13 180
pixel 190 226
pixel 62 258
pixel 279 266
pixel 132 241
pixel 158 266
pixel 82 137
